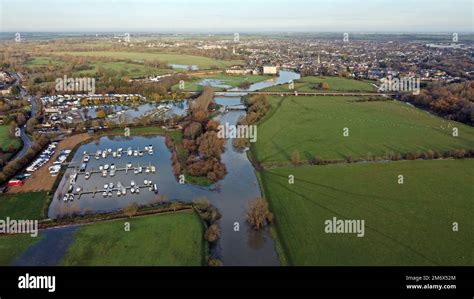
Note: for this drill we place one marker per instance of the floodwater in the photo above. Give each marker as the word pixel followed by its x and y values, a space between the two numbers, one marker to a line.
pixel 131 114
pixel 243 246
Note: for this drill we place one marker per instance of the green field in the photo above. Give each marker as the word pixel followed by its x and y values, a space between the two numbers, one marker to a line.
pixel 30 205
pixel 161 240
pixel 409 224
pixel 310 84
pixel 6 141
pixel 39 61
pixel 123 68
pixel 314 126
pixel 201 62
pixel 231 80
pixel 12 246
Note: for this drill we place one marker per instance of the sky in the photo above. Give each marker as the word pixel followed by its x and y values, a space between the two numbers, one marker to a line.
pixel 237 15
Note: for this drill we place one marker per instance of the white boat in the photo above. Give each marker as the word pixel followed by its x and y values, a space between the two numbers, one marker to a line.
pixel 129 151
pixel 110 193
pixel 119 154
pixel 112 166
pixel 106 166
pixel 153 169
pixel 109 150
pixel 71 197
pixel 124 191
pixel 150 188
pixel 104 173
pixel 87 175
pixel 150 152
pixel 129 165
pixel 86 158
pixel 112 172
pixel 111 185
pixel 135 153
pixel 132 183
pixel 101 167
pixel 119 193
pixel 78 189
pixel 140 169
pixel 106 186
pixel 119 150
pixel 155 188
pixel 104 194
pixel 97 157
pixel 132 190
pixel 104 154
pixel 137 190
pixel 114 154
pixel 145 182
pixel 135 170
pixel 140 154
pixel 66 196
pixel 146 148
pixel 147 169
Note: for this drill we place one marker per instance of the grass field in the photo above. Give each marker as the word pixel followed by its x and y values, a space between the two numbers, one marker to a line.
pixel 123 68
pixel 314 126
pixel 310 84
pixel 231 80
pixel 162 240
pixel 29 205
pixel 12 246
pixel 6 141
pixel 409 224
pixel 201 62
pixel 43 61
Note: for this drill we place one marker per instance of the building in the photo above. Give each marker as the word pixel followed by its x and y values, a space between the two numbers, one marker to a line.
pixel 270 70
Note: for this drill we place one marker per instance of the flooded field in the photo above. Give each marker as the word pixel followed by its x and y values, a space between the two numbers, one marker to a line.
pixel 242 246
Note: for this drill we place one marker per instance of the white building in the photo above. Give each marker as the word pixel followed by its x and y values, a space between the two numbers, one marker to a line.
pixel 272 70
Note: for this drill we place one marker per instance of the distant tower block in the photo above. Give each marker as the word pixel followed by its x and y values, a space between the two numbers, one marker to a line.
pixel 233 50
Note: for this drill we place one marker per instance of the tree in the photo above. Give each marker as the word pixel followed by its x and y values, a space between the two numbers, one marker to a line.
pixel 258 213
pixel 131 210
pixel 295 157
pixel 100 113
pixel 212 233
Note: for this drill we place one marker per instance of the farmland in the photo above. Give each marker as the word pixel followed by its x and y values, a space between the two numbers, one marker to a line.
pixel 201 62
pixel 163 240
pixel 314 126
pixel 405 224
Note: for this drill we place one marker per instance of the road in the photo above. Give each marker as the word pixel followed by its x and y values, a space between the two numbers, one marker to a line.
pixel 24 137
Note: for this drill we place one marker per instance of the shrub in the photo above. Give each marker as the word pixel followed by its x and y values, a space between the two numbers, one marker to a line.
pixel 258 213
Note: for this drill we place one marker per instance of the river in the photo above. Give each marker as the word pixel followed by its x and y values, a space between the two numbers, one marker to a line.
pixel 231 195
